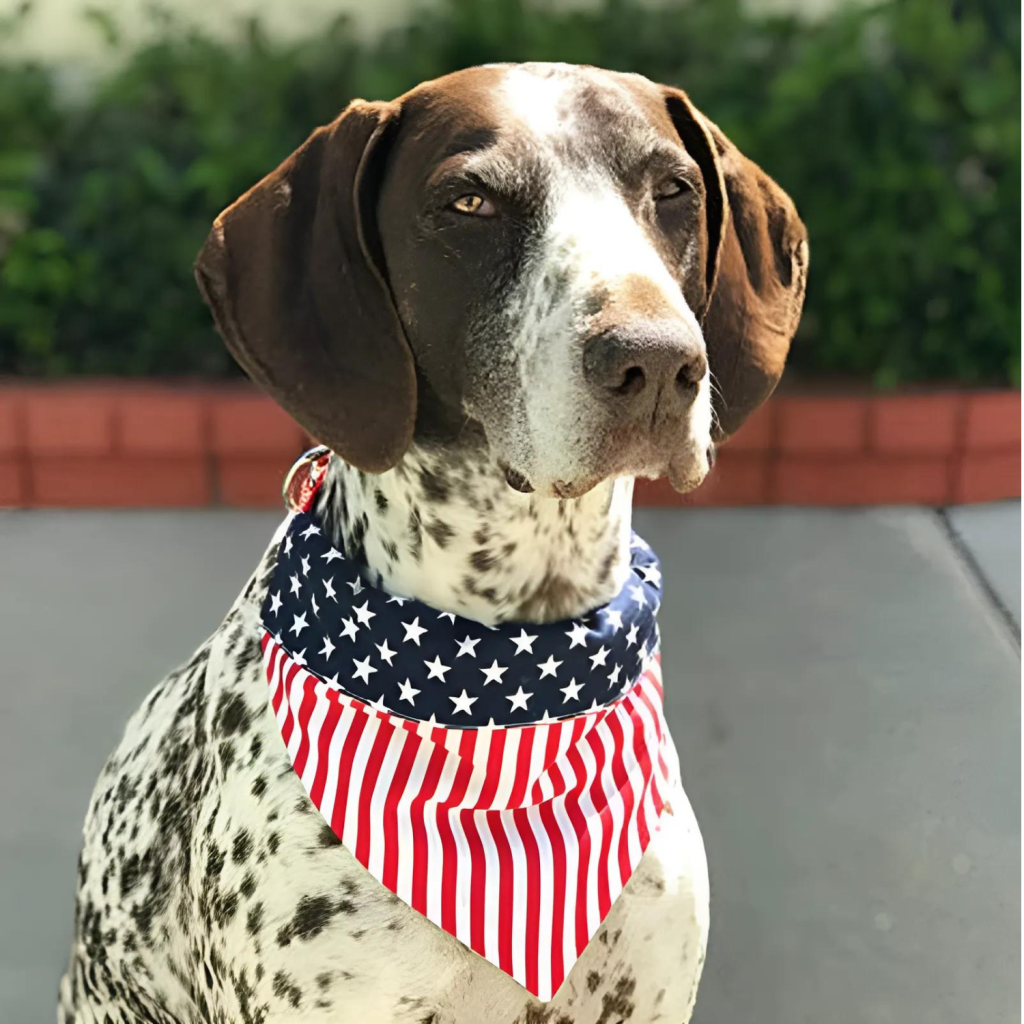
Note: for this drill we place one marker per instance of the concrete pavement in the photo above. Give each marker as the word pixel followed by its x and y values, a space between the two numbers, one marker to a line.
pixel 843 687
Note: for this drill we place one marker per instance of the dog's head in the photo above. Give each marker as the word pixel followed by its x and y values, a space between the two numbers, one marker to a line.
pixel 573 260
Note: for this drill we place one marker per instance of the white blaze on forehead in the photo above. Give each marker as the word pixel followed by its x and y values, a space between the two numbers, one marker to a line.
pixel 536 101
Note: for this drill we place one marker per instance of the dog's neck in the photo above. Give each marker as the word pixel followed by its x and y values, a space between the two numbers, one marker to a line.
pixel 444 527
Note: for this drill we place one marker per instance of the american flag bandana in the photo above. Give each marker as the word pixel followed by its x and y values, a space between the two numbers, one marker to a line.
pixel 504 782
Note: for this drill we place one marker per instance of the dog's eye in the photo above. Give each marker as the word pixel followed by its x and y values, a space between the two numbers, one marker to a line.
pixel 671 188
pixel 474 206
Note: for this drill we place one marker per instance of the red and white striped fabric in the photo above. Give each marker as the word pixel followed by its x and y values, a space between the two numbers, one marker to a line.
pixel 515 840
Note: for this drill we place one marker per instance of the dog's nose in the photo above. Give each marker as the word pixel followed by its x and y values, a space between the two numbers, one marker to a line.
pixel 625 361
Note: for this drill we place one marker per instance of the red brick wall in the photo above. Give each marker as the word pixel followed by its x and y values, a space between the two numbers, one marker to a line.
pixel 116 444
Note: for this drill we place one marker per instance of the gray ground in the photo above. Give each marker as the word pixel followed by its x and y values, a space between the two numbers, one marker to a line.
pixel 843 687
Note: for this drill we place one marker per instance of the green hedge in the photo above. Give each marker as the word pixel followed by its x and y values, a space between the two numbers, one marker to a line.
pixel 895 128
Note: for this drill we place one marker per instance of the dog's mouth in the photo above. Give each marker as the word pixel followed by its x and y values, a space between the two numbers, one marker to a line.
pixel 684 474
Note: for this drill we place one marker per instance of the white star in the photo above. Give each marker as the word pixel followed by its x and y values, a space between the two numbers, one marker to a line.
pixel 450 616
pixel 593 706
pixel 310 531
pixel 288 544
pixel 463 702
pixel 546 717
pixel 600 657
pixel 519 699
pixel 363 614
pixel 652 574
pixel 275 603
pixel 467 646
pixel 305 565
pixel 333 555
pixel 572 691
pixel 356 585
pixel 637 593
pixel 639 542
pixel 350 629
pixel 312 601
pixel 300 658
pixel 494 673
pixel 523 642
pixel 413 631
pixel 642 653
pixel 378 704
pixel 435 669
pixel 399 601
pixel 385 652
pixel 549 667
pixel 328 648
pixel 577 635
pixel 408 692
pixel 329 588
pixel 631 635
pixel 296 583
pixel 332 680
pixel 614 617
pixel 299 624
pixel 362 669
pixel 613 676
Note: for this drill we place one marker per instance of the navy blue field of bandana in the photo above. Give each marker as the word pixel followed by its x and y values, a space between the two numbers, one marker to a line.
pixel 411 660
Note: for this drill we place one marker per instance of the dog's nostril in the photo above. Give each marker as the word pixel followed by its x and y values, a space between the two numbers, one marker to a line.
pixel 691 373
pixel 633 381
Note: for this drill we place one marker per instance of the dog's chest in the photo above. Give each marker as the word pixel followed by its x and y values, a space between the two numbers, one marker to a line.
pixel 229 894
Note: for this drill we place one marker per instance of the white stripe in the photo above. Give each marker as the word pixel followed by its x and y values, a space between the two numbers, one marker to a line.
pixel 493 886
pixel 350 832
pixel 634 779
pixel 403 881
pixel 341 729
pixel 296 692
pixel 594 830
pixel 615 806
pixel 375 861
pixel 316 722
pixel 509 757
pixel 546 904
pixel 463 854
pixel 519 902
pixel 435 851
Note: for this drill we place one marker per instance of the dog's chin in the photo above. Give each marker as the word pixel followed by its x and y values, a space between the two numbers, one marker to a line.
pixel 685 471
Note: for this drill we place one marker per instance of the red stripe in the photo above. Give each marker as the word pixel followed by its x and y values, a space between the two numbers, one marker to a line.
pixel 478 859
pixel 600 801
pixel 389 873
pixel 305 713
pixel 276 666
pixel 420 850
pixel 643 757
pixel 288 726
pixel 523 828
pixel 622 782
pixel 327 730
pixel 348 753
pixel 522 775
pixel 449 851
pixel 367 788
pixel 579 824
pixel 495 822
pixel 557 843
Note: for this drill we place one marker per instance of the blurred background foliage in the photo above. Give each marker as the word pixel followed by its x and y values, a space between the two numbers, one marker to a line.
pixel 895 127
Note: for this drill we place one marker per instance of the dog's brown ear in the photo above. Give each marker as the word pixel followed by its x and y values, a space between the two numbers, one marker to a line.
pixel 757 268
pixel 293 273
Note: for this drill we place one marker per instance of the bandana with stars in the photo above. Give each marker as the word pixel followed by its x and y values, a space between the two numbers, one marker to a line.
pixel 504 782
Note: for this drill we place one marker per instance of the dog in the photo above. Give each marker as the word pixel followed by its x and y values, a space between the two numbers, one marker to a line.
pixel 497 300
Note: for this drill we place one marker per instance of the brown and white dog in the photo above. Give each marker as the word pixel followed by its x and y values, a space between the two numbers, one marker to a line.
pixel 498 299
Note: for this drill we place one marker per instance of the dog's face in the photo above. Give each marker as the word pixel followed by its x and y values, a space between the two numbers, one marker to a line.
pixel 560 255
pixel 545 239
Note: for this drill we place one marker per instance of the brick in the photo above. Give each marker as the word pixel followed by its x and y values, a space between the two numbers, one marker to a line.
pixel 915 424
pixel 758 432
pixel 69 421
pixel 987 477
pixel 121 481
pixel 160 422
pixel 822 425
pixel 861 480
pixel 12 482
pixel 247 482
pixel 252 425
pixel 11 404
pixel 993 421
